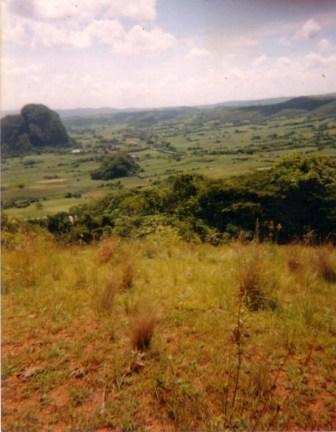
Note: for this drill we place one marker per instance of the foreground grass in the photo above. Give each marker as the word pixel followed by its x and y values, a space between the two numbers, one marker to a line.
pixel 162 335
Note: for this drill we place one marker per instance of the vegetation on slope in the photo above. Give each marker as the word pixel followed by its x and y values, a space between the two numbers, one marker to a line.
pixel 237 114
pixel 158 334
pixel 116 166
pixel 293 200
pixel 189 144
pixel 35 128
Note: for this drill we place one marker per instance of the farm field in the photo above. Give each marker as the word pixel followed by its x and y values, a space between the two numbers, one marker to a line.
pixel 159 334
pixel 37 185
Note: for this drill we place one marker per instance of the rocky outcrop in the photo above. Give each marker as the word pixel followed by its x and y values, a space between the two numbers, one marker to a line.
pixel 36 127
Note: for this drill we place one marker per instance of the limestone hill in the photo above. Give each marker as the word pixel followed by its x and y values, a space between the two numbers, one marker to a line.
pixel 36 127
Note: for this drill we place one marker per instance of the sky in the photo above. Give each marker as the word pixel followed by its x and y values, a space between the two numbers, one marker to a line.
pixel 155 53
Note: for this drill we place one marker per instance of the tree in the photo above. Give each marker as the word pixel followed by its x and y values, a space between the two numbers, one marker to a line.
pixel 119 165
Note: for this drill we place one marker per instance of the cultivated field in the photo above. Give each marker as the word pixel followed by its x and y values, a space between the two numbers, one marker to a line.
pixel 36 185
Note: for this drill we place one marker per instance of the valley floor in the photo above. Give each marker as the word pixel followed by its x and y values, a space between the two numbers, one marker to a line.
pixel 161 335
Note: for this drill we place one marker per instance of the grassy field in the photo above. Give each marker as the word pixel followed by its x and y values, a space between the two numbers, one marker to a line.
pixel 159 335
pixel 36 185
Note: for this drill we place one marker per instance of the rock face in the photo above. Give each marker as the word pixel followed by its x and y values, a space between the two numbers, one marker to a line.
pixel 36 127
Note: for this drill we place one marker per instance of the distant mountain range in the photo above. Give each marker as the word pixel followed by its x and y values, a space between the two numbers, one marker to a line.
pixel 298 101
pixel 229 112
pixel 108 110
pixel 87 111
pixel 38 127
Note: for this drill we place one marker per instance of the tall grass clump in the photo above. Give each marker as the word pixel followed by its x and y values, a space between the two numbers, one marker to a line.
pixel 253 278
pixel 324 264
pixel 108 250
pixel 28 260
pixel 249 389
pixel 294 259
pixel 128 274
pixel 142 328
pixel 103 297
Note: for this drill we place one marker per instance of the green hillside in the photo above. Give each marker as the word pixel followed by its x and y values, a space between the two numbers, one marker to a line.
pixel 216 142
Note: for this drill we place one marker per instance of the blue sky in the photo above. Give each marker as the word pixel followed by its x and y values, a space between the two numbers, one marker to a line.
pixel 150 53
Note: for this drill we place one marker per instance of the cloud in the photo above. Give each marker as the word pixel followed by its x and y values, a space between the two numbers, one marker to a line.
pixel 46 35
pixel 245 41
pixel 107 53
pixel 284 41
pixel 44 24
pixel 325 45
pixel 13 67
pixel 136 9
pixel 260 60
pixel 315 60
pixel 79 9
pixel 13 28
pixel 56 35
pixel 309 30
pixel 283 61
pixel 164 83
pixel 196 51
pixel 138 40
pixel 109 32
pixel 104 31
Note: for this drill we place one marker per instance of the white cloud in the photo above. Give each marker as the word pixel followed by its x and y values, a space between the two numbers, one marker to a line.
pixel 325 45
pixel 109 66
pixel 53 35
pixel 51 29
pixel 315 59
pixel 13 28
pixel 136 9
pixel 138 40
pixel 69 9
pixel 282 62
pixel 284 41
pixel 62 35
pixel 14 32
pixel 309 30
pixel 260 60
pixel 246 41
pixel 164 83
pixel 12 67
pixel 196 51
pixel 105 31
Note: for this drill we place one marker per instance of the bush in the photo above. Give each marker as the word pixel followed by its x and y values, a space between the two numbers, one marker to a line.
pixel 120 165
pixel 209 210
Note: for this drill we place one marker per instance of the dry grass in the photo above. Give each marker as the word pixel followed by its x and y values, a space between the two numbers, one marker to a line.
pixel 104 298
pixel 128 276
pixel 251 277
pixel 324 264
pixel 293 264
pixel 107 250
pixel 207 365
pixel 250 286
pixel 142 328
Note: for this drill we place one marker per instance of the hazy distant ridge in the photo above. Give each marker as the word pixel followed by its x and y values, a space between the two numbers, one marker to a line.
pixel 229 112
